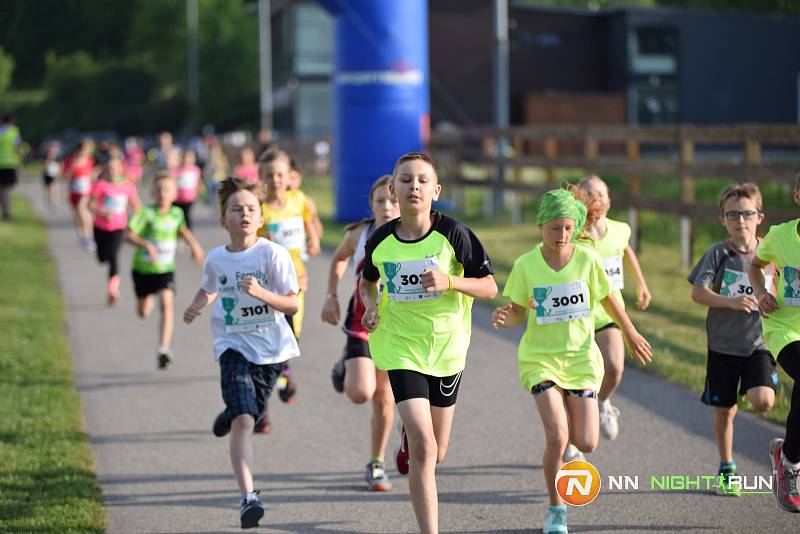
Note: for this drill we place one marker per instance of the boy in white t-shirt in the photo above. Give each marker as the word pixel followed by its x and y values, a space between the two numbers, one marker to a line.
pixel 256 285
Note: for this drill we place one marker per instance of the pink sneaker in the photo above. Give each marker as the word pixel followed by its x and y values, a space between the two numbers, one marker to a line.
pixel 787 482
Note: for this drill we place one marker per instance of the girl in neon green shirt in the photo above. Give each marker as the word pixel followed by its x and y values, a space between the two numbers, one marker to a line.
pixel 559 362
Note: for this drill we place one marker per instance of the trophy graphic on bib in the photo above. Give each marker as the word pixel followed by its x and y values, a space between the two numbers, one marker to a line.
pixel 540 295
pixel 228 304
pixel 391 269
pixel 729 278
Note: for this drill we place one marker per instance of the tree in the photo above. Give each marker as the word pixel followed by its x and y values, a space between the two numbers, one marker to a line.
pixel 6 70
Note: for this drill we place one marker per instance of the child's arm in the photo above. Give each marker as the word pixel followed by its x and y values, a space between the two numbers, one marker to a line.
pixel 765 300
pixel 703 295
pixel 637 345
pixel 312 207
pixel 197 250
pixel 283 303
pixel 330 310
pixel 139 241
pixel 368 291
pixel 200 301
pixel 313 238
pixel 136 204
pixel 479 288
pixel 643 296
pixel 509 316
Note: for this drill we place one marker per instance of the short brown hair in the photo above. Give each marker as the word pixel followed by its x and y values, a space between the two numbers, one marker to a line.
pixel 163 175
pixel 745 190
pixel 231 185
pixel 411 156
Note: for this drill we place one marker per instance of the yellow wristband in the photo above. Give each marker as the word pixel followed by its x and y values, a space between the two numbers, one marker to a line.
pixel 450 282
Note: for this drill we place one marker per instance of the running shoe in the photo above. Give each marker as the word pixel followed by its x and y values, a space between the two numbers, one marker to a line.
pixel 401 454
pixel 251 510
pixel 724 486
pixel 164 359
pixel 263 425
pixel 572 453
pixel 337 375
pixel 287 390
pixel 377 479
pixel 786 485
pixel 556 520
pixel 222 424
pixel 609 425
pixel 89 244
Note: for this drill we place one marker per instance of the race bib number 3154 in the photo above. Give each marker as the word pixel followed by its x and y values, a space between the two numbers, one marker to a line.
pixel 560 303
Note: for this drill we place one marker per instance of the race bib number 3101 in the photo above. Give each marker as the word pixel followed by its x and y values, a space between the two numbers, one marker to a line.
pixel 404 279
pixel 560 303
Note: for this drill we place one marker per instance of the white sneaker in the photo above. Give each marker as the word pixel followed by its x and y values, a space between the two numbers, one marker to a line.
pixel 609 425
pixel 572 453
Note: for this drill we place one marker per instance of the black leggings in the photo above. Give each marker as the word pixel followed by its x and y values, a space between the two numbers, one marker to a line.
pixel 187 212
pixel 108 247
pixel 789 358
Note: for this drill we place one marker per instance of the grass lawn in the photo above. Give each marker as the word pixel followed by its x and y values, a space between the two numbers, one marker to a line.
pixel 47 480
pixel 673 324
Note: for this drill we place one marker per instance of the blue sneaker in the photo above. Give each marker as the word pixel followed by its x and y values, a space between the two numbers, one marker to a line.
pixel 251 510
pixel 556 520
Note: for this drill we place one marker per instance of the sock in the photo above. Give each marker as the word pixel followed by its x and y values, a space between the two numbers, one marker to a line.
pixel 559 507
pixel 163 350
pixel 247 497
pixel 603 404
pixel 789 465
pixel 376 459
pixel 727 467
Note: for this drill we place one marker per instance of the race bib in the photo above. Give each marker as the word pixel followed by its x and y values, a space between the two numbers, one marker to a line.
pixel 791 286
pixel 187 180
pixel 404 279
pixel 613 268
pixel 290 233
pixel 53 168
pixel 80 186
pixel 244 313
pixel 116 204
pixel 166 252
pixel 560 303
pixel 737 284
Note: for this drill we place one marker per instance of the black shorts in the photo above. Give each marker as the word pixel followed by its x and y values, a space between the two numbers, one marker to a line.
pixel 107 243
pixel 725 375
pixel 606 327
pixel 356 348
pixel 48 179
pixel 246 387
pixel 8 177
pixel 149 284
pixel 441 391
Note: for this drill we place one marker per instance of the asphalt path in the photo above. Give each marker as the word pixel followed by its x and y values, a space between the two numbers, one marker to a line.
pixel 161 469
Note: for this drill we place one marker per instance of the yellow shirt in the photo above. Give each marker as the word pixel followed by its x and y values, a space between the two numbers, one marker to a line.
pixel 286 227
pixel 611 248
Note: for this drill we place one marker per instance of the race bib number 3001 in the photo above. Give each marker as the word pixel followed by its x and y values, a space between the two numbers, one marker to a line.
pixel 560 303
pixel 404 279
pixel 613 268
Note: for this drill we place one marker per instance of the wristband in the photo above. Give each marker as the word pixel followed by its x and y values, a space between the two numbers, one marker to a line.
pixel 331 296
pixel 450 282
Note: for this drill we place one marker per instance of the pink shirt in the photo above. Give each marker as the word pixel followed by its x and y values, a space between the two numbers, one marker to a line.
pixel 188 183
pixel 112 198
pixel 247 172
pixel 133 163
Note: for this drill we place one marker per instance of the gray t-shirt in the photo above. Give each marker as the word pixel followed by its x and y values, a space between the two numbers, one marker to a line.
pixel 723 269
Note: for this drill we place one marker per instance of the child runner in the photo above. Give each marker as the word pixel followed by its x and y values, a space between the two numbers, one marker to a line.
pixel 154 230
pixel 781 325
pixel 134 156
pixel 739 362
pixel 287 221
pixel 78 173
pixel 247 170
pixel 355 372
pixel 110 197
pixel 52 171
pixel 559 361
pixel 609 239
pixel 252 341
pixel 432 268
pixel 188 175
pixel 295 183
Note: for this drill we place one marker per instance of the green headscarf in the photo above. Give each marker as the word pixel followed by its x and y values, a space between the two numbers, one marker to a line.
pixel 561 203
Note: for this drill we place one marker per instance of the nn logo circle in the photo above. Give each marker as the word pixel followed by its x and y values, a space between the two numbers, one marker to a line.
pixel 578 483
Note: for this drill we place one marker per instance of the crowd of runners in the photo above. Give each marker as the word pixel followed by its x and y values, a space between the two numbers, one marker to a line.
pixel 407 325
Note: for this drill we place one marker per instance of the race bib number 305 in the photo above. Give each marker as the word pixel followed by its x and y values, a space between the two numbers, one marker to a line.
pixel 613 268
pixel 404 279
pixel 560 303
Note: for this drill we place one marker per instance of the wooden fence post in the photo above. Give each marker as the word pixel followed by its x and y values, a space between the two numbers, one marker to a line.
pixel 513 199
pixel 489 147
pixel 551 152
pixel 634 190
pixel 687 199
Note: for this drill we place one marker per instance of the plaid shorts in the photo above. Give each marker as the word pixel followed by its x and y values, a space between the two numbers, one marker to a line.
pixel 246 387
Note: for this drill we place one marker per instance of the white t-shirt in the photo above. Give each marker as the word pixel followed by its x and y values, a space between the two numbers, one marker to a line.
pixel 243 323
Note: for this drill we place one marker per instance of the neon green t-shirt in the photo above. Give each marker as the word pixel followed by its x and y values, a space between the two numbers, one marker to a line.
pixel 424 332
pixel 9 141
pixel 162 229
pixel 611 248
pixel 781 246
pixel 558 343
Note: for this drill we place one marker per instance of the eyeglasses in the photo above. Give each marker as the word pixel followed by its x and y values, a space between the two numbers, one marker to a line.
pixel 734 215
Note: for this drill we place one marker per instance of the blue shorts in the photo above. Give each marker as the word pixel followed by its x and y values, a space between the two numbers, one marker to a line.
pixel 246 387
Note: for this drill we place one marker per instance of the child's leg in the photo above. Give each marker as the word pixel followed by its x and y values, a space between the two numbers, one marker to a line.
pixel 85 216
pixel 144 305
pixel 762 398
pixel 382 412
pixel 167 297
pixel 613 348
pixel 723 428
pixel 789 359
pixel 359 379
pixel 584 421
pixel 553 413
pixel 241 450
pixel 423 451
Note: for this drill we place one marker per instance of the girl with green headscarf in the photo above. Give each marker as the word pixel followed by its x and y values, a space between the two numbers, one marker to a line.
pixel 554 286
